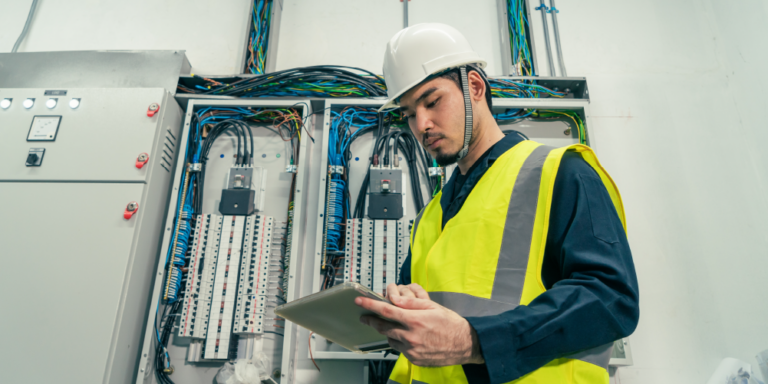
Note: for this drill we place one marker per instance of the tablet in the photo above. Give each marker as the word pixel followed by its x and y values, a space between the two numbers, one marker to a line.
pixel 333 314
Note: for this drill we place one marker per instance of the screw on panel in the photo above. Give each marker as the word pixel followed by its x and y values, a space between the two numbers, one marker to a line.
pixel 567 132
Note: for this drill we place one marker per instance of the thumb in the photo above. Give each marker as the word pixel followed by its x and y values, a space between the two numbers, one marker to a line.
pixel 414 303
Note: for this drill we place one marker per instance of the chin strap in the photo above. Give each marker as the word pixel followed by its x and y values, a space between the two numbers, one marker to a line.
pixel 467 113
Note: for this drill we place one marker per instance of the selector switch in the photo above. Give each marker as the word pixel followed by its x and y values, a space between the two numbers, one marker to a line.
pixel 35 157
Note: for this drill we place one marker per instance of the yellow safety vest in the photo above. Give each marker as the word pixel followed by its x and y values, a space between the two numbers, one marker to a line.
pixel 488 258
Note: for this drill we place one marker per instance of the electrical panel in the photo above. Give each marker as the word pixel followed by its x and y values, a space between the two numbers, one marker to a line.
pixel 83 222
pixel 231 241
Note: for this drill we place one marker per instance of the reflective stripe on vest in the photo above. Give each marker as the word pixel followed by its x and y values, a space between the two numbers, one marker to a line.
pixel 487 259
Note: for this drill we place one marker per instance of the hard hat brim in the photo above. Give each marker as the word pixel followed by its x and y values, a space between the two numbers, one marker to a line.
pixel 393 102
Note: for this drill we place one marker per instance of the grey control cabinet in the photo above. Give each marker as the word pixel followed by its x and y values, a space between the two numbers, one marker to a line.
pixel 77 266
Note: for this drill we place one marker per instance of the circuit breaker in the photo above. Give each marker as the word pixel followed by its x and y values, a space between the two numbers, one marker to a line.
pixel 375 251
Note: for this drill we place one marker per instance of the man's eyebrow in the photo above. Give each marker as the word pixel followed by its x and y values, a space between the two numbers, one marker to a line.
pixel 420 98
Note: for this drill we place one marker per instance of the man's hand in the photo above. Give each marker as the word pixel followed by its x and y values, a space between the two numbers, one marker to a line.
pixel 428 334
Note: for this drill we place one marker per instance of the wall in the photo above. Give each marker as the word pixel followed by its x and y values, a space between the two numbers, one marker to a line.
pixel 355 32
pixel 677 101
pixel 212 32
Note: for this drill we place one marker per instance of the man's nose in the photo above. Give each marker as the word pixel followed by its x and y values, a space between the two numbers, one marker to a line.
pixel 423 123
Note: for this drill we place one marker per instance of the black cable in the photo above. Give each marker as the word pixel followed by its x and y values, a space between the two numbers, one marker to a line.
pixel 161 347
pixel 213 134
pixel 264 84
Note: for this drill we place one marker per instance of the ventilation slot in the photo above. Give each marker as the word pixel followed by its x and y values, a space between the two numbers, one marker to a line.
pixel 169 145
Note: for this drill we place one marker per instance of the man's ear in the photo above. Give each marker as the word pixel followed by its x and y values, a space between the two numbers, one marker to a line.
pixel 476 86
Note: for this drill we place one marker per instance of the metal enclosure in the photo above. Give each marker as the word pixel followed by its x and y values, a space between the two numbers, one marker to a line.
pixel 270 154
pixel 75 271
pixel 93 69
pixel 548 132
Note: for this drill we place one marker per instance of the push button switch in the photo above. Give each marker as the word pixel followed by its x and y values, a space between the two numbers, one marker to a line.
pixel 35 157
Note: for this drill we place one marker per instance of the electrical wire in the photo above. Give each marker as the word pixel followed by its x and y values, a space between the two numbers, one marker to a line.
pixel 567 115
pixel 24 31
pixel 333 81
pixel 506 88
pixel 309 341
pixel 259 38
pixel 316 81
pixel 518 38
pixel 162 359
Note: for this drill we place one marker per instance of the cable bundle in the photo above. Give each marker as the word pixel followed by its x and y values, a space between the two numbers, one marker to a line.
pixel 162 364
pixel 335 213
pixel 505 88
pixel 259 41
pixel 287 123
pixel 315 81
pixel 512 115
pixel 518 38
pixel 180 251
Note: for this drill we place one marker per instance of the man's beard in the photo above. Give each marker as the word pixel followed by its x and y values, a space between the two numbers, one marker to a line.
pixel 442 160
pixel 448 159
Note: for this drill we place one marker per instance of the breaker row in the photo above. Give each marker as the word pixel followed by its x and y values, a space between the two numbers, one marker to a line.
pixel 375 251
pixel 227 281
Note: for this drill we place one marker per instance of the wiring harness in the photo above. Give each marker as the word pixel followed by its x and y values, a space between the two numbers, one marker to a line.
pixel 315 81
pixel 518 41
pixel 333 81
pixel 259 39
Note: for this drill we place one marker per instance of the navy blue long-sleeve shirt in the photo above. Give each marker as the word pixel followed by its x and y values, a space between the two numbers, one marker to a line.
pixel 592 295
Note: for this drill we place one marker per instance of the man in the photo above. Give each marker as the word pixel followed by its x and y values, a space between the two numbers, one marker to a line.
pixel 519 270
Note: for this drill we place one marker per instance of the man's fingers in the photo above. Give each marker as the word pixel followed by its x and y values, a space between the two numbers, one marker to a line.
pixel 419 291
pixel 405 291
pixel 397 345
pixel 416 303
pixel 385 310
pixel 386 328
pixel 393 292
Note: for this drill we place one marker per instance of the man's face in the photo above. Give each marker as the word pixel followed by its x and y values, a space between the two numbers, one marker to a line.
pixel 435 113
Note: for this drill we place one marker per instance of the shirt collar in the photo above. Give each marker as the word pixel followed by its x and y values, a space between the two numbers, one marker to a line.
pixel 478 169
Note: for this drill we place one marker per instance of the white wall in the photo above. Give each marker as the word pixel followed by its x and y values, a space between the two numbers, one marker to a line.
pixel 355 32
pixel 678 97
pixel 678 104
pixel 212 32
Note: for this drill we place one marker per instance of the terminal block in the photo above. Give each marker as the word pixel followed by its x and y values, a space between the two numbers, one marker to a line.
pixel 254 276
pixel 227 281
pixel 375 251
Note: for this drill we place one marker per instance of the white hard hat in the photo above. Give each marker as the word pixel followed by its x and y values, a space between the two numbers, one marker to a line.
pixel 417 52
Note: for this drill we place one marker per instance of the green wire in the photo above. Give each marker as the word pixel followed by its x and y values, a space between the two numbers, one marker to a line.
pixel 439 179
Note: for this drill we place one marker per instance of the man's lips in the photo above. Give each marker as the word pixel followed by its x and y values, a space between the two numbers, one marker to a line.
pixel 432 141
pixel 432 144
